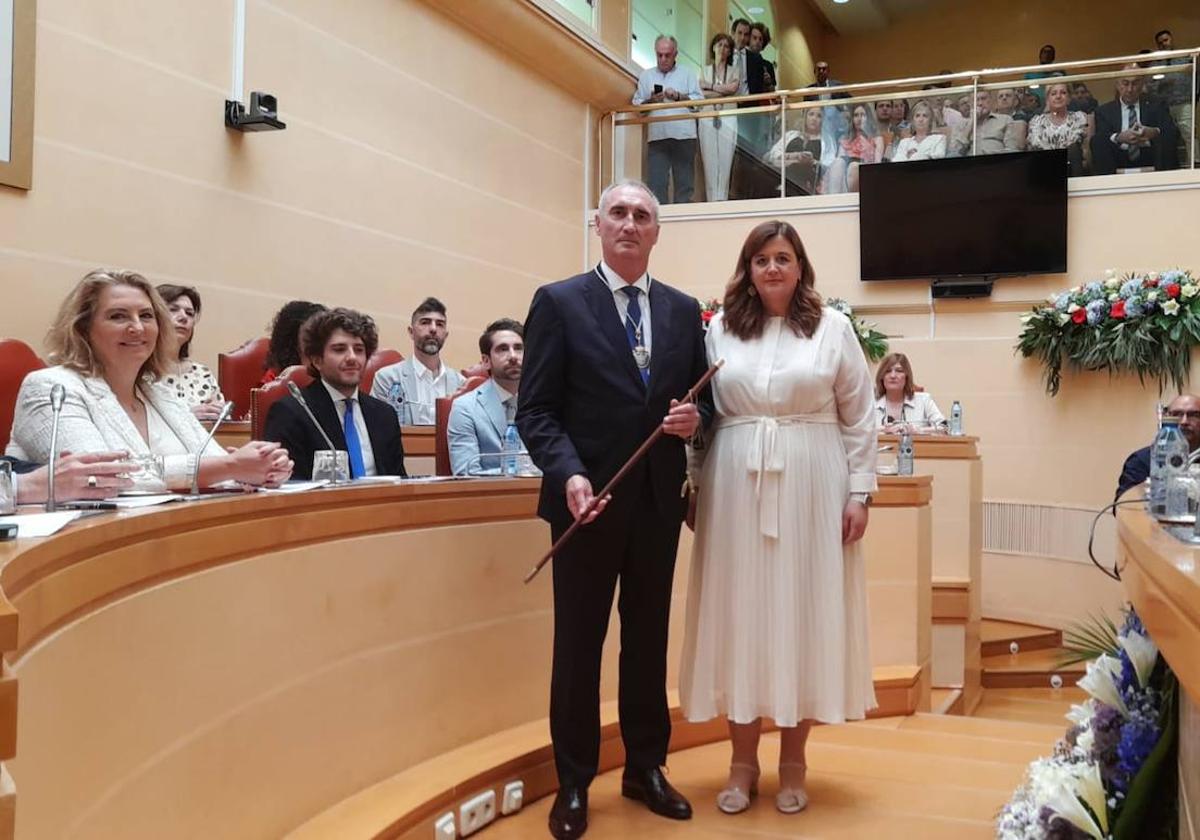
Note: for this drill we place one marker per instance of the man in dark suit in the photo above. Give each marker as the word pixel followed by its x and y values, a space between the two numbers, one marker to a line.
pixel 1136 469
pixel 751 177
pixel 91 475
pixel 607 353
pixel 336 344
pixel 1133 131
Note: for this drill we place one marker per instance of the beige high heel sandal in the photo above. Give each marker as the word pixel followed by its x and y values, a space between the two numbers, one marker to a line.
pixel 791 800
pixel 734 800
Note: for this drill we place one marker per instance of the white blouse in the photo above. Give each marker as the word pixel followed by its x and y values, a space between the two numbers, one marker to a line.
pixel 920 410
pixel 927 148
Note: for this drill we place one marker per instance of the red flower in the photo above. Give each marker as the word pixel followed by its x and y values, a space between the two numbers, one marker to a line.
pixel 1118 309
pixel 707 315
pixel 1173 290
pixel 1079 316
pixel 1150 283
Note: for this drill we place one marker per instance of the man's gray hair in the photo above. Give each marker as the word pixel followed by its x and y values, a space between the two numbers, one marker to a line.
pixel 628 182
pixel 670 38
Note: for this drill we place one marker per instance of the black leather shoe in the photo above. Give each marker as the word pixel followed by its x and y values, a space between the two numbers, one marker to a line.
pixel 568 816
pixel 651 786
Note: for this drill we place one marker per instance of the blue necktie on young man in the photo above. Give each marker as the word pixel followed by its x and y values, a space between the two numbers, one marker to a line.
pixel 353 445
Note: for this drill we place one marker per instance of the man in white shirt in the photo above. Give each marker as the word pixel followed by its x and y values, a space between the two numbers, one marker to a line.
pixel 336 345
pixel 671 146
pixel 479 420
pixel 412 386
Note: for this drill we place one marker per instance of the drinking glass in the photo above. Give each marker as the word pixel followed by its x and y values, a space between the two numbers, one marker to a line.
pixel 148 473
pixel 331 465
pixel 8 493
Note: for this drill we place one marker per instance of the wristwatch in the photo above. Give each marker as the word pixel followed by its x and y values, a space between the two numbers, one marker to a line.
pixel 861 498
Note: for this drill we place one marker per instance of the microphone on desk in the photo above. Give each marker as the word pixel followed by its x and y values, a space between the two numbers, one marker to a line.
pixel 226 410
pixel 57 394
pixel 294 390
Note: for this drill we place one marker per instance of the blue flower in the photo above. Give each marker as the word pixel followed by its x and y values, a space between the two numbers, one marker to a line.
pixel 1063 301
pixel 1138 738
pixel 1134 308
pixel 1096 311
pixel 1128 673
pixel 1172 276
pixel 1133 623
pixel 1094 290
pixel 1130 288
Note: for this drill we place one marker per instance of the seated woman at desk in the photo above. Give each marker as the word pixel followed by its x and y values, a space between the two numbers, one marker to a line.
pixel 898 405
pixel 193 382
pixel 113 342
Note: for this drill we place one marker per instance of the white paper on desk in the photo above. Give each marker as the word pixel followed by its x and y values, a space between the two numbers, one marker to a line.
pixel 40 524
pixel 295 487
pixel 124 502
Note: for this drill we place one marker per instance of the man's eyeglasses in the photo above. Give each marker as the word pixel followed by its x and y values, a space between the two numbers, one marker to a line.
pixel 1184 415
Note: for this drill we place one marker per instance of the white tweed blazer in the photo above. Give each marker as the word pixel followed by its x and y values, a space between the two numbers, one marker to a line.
pixel 93 421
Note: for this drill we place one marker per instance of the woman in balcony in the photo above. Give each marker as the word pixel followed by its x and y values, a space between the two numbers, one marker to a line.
pixel 113 342
pixel 926 143
pixel 1061 128
pixel 718 135
pixel 193 382
pixel 799 154
pixel 860 144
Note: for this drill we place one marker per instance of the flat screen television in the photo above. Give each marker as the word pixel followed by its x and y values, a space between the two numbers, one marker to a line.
pixel 986 216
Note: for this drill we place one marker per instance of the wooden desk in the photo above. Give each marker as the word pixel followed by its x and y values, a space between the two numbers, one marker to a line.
pixel 1161 576
pixel 418 443
pixel 898 553
pixel 957 514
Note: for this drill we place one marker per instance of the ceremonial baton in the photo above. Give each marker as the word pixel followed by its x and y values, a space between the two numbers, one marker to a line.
pixel 690 396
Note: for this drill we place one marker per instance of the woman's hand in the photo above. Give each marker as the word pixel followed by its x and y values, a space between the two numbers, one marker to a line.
pixel 207 411
pixel 261 462
pixel 854 522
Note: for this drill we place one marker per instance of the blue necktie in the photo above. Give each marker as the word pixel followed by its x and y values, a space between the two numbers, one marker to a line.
pixel 633 318
pixel 353 445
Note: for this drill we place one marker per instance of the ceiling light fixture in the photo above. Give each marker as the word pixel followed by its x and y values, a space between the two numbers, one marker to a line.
pixel 841 2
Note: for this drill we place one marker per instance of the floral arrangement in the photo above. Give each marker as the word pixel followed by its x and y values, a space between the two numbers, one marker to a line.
pixel 1132 323
pixel 1113 775
pixel 874 343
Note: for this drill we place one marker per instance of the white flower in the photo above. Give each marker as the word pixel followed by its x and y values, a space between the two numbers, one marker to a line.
pixel 1153 275
pixel 1189 290
pixel 1110 273
pixel 1082 713
pixel 1142 652
pixel 1084 742
pixel 1063 317
pixel 1112 282
pixel 1171 307
pixel 1074 307
pixel 1076 289
pixel 1102 680
pixel 1081 784
pixel 1114 297
pixel 1151 295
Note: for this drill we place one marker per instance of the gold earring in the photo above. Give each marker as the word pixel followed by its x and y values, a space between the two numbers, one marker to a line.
pixel 752 291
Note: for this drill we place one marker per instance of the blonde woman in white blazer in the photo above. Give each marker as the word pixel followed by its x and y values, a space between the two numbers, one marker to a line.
pixel 112 341
pixel 898 403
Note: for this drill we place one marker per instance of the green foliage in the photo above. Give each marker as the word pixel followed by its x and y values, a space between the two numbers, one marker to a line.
pixel 1086 640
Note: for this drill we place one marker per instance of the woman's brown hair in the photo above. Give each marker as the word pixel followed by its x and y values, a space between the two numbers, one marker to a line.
pixel 68 337
pixel 744 314
pixel 890 361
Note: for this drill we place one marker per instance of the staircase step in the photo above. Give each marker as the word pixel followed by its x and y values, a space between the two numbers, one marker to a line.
pixel 946 701
pixel 1032 669
pixel 996 637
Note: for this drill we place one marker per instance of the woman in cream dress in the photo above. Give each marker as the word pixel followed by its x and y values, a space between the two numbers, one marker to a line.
pixel 718 135
pixel 777 614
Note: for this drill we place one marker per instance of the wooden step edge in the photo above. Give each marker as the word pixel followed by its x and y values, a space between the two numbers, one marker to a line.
pixel 1003 647
pixel 1028 679
pixel 947 702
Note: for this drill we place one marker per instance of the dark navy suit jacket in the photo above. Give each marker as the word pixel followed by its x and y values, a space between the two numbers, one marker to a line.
pixel 584 408
pixel 1134 471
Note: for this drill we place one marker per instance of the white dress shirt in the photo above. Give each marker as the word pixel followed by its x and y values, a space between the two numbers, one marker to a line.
pixel 739 60
pixel 616 283
pixel 679 79
pixel 920 410
pixel 430 386
pixel 339 403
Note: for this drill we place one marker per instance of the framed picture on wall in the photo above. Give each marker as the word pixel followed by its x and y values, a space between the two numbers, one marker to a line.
pixel 18 28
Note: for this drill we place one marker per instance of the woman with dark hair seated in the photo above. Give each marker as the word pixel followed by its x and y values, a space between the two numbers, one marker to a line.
pixel 113 343
pixel 192 382
pixel 284 350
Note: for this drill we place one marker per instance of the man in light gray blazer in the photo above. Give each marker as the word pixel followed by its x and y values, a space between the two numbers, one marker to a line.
pixel 479 419
pixel 413 385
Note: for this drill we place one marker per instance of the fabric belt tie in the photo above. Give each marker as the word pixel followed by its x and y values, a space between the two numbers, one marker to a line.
pixel 765 460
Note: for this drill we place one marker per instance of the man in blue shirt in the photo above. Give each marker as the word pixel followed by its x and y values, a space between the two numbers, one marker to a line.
pixel 670 146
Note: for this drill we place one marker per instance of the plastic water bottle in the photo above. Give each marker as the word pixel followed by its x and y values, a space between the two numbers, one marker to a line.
pixel 1168 459
pixel 956 428
pixel 904 456
pixel 396 397
pixel 512 445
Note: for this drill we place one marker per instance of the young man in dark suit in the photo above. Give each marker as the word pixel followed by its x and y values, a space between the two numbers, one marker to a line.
pixel 607 354
pixel 1133 131
pixel 336 344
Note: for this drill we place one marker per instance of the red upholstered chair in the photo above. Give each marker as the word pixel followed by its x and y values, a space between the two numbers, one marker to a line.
pixel 381 358
pixel 16 360
pixel 261 399
pixel 240 371
pixel 441 443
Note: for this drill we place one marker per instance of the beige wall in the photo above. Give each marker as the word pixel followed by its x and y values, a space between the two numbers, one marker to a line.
pixel 393 180
pixel 971 34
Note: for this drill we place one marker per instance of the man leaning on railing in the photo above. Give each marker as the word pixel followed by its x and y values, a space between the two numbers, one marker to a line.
pixel 671 145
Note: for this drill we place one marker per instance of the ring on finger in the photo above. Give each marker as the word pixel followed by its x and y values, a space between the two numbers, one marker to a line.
pixel 93 482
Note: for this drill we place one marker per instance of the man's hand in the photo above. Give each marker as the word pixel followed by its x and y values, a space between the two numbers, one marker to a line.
pixel 854 522
pixel 580 495
pixel 671 94
pixel 109 469
pixel 682 420
pixel 1129 137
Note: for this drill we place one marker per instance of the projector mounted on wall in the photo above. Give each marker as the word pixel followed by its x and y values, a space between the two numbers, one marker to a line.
pixel 262 115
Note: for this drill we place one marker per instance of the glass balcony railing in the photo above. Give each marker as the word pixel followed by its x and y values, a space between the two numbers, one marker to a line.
pixel 1114 115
